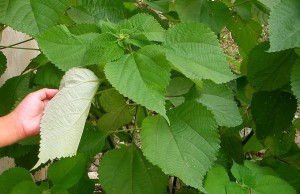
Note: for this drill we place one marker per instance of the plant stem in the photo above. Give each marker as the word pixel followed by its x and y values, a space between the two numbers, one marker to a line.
pixel 248 137
pixel 12 45
pixel 174 185
pixel 23 48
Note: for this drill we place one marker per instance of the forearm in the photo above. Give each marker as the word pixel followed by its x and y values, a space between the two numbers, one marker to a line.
pixel 9 130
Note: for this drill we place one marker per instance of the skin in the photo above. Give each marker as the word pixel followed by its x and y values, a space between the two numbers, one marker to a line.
pixel 24 120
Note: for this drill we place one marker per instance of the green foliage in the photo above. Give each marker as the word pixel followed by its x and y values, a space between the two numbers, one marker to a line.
pixel 284 25
pixel 186 44
pixel 275 67
pixel 128 165
pixel 147 85
pixel 29 16
pixel 173 151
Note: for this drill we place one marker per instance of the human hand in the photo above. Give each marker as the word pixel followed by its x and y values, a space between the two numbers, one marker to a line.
pixel 29 112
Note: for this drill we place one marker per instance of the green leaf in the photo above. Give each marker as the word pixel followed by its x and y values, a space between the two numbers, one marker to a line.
pixel 273 113
pixel 48 76
pixel 57 189
pixel 126 170
pixel 160 5
pixel 80 29
pixel 220 101
pixel 243 8
pixel 269 71
pixel 142 76
pixel 214 14
pixel 93 11
pixel 92 141
pixel 31 16
pixel 187 148
pixel 187 44
pixel 245 33
pixel 67 171
pixel 3 62
pixel 86 49
pixel 142 25
pixel 269 3
pixel 13 89
pixel 216 180
pixel 179 86
pixel 270 184
pixel 243 174
pixel 65 115
pixel 10 178
pixel 26 187
pixel 295 79
pixel 284 25
pixel 187 191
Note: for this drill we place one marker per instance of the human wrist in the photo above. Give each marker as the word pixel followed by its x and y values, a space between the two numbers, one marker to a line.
pixel 16 125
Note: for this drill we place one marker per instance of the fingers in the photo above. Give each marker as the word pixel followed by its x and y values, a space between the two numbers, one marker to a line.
pixel 46 94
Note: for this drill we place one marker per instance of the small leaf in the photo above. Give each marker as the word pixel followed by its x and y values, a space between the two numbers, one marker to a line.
pixel 67 171
pixel 26 187
pixel 65 115
pixel 245 33
pixel 284 25
pixel 31 16
pixel 10 178
pixel 215 14
pixel 194 50
pixel 295 79
pixel 142 76
pixel 220 101
pixel 216 180
pixel 179 86
pixel 269 71
pixel 86 49
pixel 126 170
pixel 142 24
pixel 187 148
pixel 3 62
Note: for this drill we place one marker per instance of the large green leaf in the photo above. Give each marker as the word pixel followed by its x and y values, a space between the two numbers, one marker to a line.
pixel 10 178
pixel 14 89
pixel 285 25
pixel 245 34
pixel 220 101
pixel 269 71
pixel 86 49
pixel 194 50
pixel 295 79
pixel 126 171
pixel 142 76
pixel 187 148
pixel 215 14
pixel 273 113
pixel 67 171
pixel 65 115
pixel 3 62
pixel 31 16
pixel 92 11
